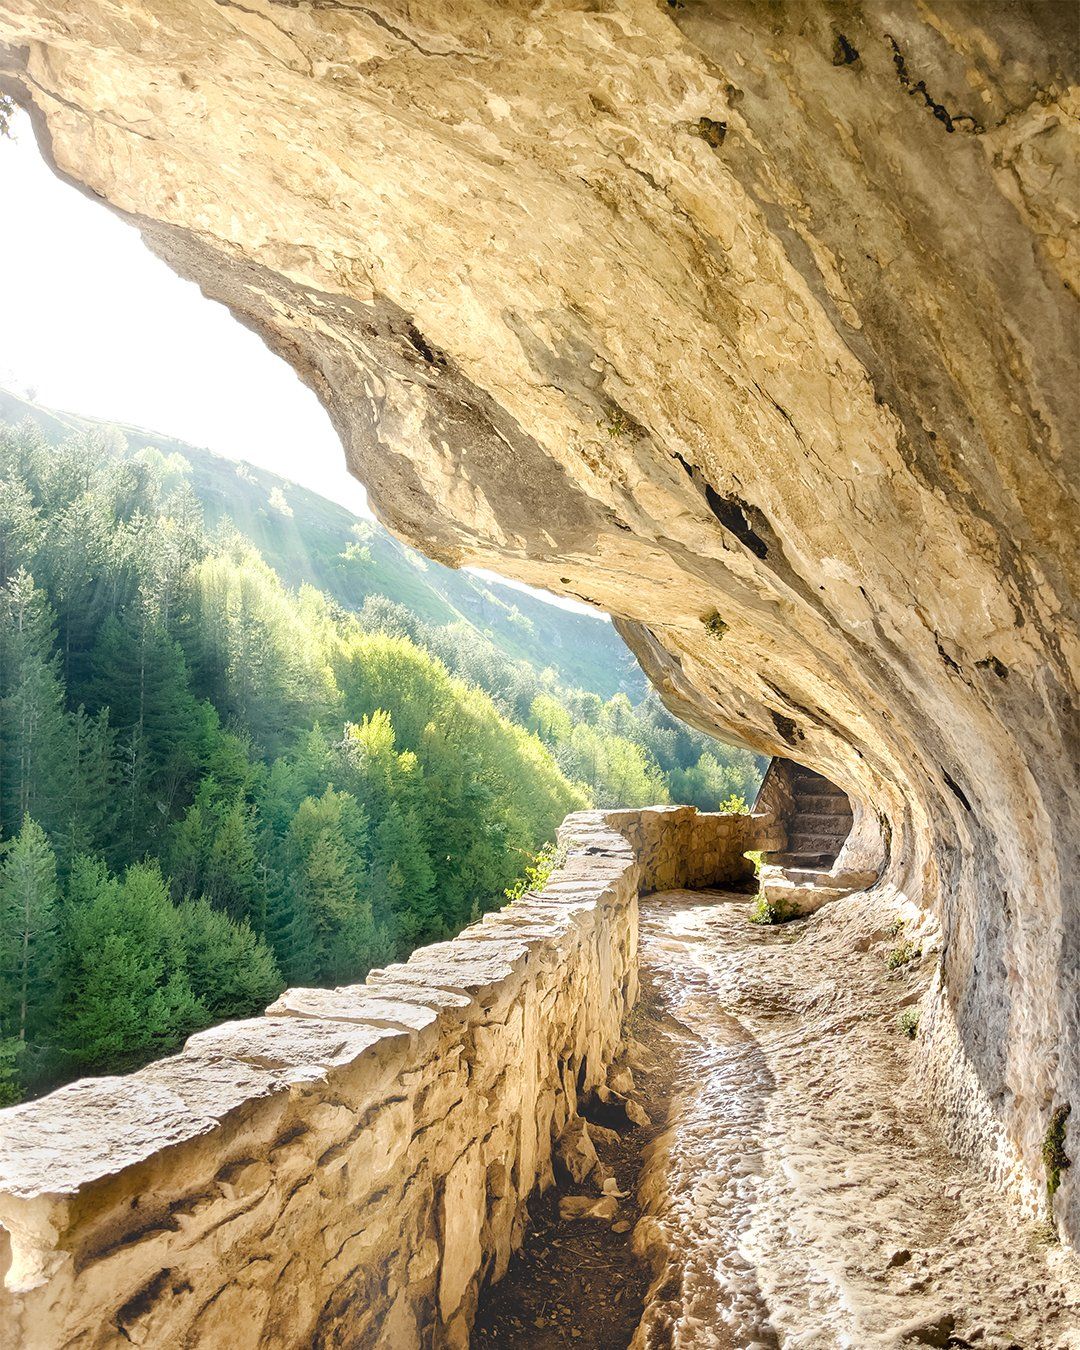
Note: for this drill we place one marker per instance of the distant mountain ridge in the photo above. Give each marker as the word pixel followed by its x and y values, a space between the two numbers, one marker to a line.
pixel 307 538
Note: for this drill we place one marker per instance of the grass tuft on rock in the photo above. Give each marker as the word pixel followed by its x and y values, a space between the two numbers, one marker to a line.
pixel 714 625
pixel 766 912
pixel 1054 1157
pixel 902 954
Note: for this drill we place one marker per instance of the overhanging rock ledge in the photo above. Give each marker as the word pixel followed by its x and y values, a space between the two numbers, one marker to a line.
pixel 754 325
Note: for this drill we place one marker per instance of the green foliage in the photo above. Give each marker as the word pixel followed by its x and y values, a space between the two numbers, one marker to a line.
pixel 28 941
pixel 1054 1157
pixel 616 424
pixel 140 973
pixel 212 783
pixel 7 112
pixel 767 912
pixel 550 858
pixel 902 954
pixel 908 1022
pixel 715 625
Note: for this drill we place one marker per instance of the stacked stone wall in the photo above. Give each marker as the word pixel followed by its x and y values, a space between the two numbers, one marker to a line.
pixel 677 846
pixel 350 1168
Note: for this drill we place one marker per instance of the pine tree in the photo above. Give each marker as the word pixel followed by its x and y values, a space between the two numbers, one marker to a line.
pixel 403 879
pixel 229 883
pixel 232 973
pixel 124 974
pixel 188 850
pixel 28 940
pixel 141 675
pixel 91 785
pixel 34 733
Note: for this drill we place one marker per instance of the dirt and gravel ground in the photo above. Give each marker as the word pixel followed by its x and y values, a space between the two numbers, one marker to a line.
pixel 792 1190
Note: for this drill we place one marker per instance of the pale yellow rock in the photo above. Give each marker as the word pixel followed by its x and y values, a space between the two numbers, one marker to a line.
pixel 576 1151
pixel 588 1207
pixel 762 341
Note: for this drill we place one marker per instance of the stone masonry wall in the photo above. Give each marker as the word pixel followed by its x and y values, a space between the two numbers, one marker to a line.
pixel 350 1168
pixel 677 846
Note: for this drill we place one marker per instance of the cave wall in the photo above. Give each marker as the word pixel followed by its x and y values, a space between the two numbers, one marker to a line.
pixel 350 1168
pixel 754 324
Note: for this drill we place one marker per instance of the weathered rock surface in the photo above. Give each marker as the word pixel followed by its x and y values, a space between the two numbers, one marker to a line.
pixel 798 1195
pixel 754 324
pixel 349 1168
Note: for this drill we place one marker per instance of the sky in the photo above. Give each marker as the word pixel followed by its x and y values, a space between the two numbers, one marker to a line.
pixel 91 322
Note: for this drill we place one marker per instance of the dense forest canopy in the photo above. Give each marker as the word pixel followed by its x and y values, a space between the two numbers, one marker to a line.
pixel 307 538
pixel 213 785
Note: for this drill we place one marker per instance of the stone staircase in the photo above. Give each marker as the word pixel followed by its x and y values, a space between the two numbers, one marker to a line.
pixel 817 819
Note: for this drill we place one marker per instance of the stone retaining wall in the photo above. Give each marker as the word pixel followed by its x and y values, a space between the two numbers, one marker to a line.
pixel 677 846
pixel 350 1168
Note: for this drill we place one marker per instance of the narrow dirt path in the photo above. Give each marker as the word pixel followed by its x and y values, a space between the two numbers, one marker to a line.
pixel 791 1191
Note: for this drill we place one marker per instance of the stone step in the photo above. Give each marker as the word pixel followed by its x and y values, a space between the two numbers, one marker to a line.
pixel 817 822
pixel 847 881
pixel 810 861
pixel 799 774
pixel 824 803
pixel 793 900
pixel 813 842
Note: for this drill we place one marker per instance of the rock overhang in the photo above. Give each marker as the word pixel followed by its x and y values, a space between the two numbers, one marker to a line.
pixel 757 328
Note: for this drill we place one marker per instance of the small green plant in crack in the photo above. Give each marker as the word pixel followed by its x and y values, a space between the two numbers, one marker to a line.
pixel 895 928
pixel 616 425
pixel 757 858
pixel 902 954
pixel 766 912
pixel 1054 1157
pixel 909 1022
pixel 714 625
pixel 537 871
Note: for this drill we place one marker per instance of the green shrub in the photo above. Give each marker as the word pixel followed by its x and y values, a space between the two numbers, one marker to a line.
pixel 903 953
pixel 1054 1157
pixel 616 424
pixel 550 858
pixel 766 912
pixel 909 1022
pixel 714 625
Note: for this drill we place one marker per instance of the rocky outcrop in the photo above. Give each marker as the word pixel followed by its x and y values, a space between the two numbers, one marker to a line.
pixel 753 324
pixel 348 1169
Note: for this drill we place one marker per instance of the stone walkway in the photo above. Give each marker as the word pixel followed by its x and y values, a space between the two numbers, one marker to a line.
pixel 790 1192
pixel 800 1186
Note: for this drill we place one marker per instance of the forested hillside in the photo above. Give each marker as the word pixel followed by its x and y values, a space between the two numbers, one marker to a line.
pixel 306 538
pixel 214 784
pixel 211 785
pixel 612 732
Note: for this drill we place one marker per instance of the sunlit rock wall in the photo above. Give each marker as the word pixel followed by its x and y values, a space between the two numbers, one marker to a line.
pixel 753 323
pixel 349 1168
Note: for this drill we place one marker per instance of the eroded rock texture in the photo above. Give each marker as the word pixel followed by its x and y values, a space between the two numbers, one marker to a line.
pixel 754 324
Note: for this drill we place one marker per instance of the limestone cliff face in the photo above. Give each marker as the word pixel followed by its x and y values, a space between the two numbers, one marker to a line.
pixel 754 324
